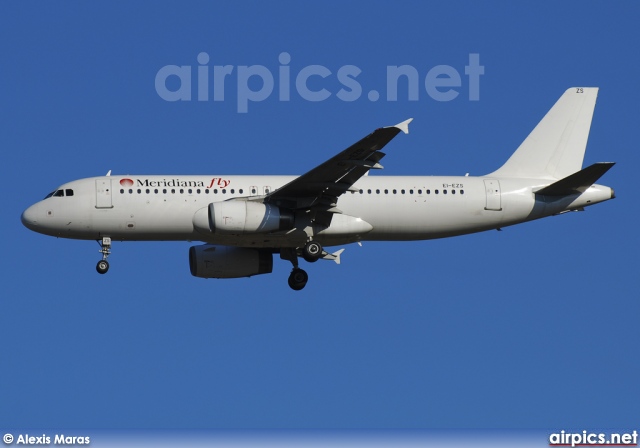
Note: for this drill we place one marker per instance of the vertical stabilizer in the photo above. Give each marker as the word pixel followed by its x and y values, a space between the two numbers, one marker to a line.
pixel 555 148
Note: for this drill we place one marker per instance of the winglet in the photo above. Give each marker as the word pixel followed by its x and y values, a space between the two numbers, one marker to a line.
pixel 334 256
pixel 404 126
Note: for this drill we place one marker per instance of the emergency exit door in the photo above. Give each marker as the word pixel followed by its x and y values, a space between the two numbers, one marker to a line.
pixel 103 193
pixel 492 190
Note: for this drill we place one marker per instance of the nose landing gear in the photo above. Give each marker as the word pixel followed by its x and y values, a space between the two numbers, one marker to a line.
pixel 105 249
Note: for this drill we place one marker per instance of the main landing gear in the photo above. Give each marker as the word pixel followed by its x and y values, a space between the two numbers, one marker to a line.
pixel 311 252
pixel 105 249
pixel 298 279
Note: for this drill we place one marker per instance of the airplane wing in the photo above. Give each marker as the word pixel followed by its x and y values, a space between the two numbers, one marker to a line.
pixel 320 188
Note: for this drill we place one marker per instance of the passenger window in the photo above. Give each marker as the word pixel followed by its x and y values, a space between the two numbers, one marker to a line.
pixel 224 191
pixel 130 191
pixel 369 191
pixel 377 191
pixel 139 191
pixel 190 191
pixel 182 191
pixel 453 191
pixel 206 191
pixel 164 191
pixel 215 191
pixel 68 192
pixel 410 191
pixel 173 191
pixel 461 191
pixel 402 191
pixel 232 191
pixel 361 191
pixel 240 191
pixel 121 190
pixel 428 191
pixel 444 191
pixel 155 191
pixel 419 191
pixel 436 192
pixel 395 191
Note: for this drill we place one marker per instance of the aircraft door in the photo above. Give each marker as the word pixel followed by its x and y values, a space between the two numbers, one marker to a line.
pixel 492 190
pixel 103 193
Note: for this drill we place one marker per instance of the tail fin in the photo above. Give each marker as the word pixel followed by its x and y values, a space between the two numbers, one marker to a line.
pixel 555 148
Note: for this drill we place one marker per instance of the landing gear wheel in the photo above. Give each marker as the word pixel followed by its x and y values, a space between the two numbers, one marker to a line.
pixel 298 279
pixel 105 249
pixel 102 267
pixel 312 251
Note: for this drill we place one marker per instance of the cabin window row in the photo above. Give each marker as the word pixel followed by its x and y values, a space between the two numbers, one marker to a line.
pixel 411 191
pixel 241 191
pixel 182 191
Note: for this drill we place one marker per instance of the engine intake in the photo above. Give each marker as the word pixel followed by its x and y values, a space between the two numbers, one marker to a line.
pixel 239 217
pixel 209 261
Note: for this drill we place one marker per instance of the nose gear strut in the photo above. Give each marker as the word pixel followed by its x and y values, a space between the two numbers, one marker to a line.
pixel 105 249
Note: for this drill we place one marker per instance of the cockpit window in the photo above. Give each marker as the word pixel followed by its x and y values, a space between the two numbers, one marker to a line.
pixel 60 193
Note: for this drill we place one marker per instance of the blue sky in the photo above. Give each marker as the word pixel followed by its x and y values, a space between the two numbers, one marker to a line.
pixel 532 327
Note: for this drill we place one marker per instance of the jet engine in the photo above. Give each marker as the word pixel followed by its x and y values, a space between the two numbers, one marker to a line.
pixel 209 261
pixel 239 217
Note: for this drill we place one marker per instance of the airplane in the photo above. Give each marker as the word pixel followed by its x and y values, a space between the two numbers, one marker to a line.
pixel 244 220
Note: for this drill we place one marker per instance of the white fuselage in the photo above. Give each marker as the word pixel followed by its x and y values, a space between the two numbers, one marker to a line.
pixel 138 208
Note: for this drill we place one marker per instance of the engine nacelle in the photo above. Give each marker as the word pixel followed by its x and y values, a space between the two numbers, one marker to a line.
pixel 209 261
pixel 240 217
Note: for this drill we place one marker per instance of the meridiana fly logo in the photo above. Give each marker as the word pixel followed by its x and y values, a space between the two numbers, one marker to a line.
pixel 215 181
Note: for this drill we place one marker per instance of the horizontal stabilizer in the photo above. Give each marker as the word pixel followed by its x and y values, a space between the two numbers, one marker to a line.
pixel 577 183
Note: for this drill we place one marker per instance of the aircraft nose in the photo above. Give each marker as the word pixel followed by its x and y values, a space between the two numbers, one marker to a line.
pixel 29 218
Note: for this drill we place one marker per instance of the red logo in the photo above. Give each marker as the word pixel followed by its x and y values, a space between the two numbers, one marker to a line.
pixel 126 182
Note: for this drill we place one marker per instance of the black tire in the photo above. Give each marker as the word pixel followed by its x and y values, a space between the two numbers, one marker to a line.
pixel 102 267
pixel 308 259
pixel 298 279
pixel 312 251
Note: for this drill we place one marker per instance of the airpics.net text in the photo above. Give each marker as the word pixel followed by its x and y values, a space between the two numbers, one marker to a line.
pixel 256 83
